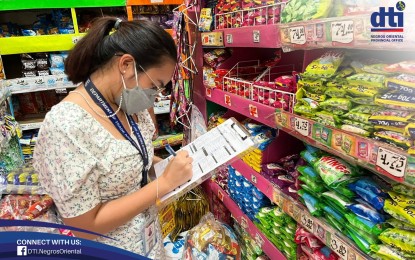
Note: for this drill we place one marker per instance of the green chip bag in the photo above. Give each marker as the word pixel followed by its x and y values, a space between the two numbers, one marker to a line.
pixel 403 239
pixel 400 224
pixel 387 251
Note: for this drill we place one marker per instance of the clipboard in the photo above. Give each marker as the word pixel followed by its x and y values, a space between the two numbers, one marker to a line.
pixel 209 151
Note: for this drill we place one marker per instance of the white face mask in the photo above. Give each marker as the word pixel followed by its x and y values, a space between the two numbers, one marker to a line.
pixel 136 99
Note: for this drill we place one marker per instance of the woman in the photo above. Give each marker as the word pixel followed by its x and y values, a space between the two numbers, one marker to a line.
pixel 94 148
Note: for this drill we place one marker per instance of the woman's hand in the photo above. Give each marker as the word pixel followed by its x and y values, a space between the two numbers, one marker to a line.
pixel 179 170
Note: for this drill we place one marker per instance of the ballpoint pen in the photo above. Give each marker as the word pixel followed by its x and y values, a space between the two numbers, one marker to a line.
pixel 170 150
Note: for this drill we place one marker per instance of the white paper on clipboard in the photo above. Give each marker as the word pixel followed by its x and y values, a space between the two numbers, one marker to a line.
pixel 210 151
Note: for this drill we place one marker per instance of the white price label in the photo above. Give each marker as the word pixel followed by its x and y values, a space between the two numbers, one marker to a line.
pixel 302 126
pixel 392 163
pixel 297 35
pixel 244 222
pixel 253 179
pixel 228 100
pixel 256 36
pixel 229 38
pixel 76 39
pixel 338 246
pixel 259 240
pixel 61 91
pixel 342 31
pixel 30 126
pixel 307 221
pixel 253 110
pixel 156 1
pixel 24 141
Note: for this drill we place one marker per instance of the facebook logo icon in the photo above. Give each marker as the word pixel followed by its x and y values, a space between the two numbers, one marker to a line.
pixel 21 250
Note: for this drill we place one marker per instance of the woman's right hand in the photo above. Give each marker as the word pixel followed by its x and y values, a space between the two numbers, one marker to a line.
pixel 179 170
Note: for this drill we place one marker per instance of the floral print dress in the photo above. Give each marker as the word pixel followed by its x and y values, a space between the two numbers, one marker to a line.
pixel 81 164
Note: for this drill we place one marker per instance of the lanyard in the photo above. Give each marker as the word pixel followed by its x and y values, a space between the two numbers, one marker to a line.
pixel 103 104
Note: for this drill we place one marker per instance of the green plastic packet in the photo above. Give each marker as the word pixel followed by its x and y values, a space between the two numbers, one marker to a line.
pixel 402 200
pixel 387 251
pixel 362 243
pixel 403 239
pixel 339 201
pixel 392 208
pixel 367 226
pixel 400 224
pixel 405 190
pixel 314 186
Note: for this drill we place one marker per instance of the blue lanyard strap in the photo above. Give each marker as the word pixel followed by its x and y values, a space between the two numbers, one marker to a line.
pixel 103 104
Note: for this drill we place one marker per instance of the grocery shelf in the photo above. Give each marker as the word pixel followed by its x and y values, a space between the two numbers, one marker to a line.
pixel 30 4
pixel 173 139
pixel 245 222
pixel 378 157
pixel 353 32
pixel 324 232
pixel 41 43
pixel 162 107
pixel 257 111
pixel 40 83
pixel 31 124
pixel 154 2
pixel 259 36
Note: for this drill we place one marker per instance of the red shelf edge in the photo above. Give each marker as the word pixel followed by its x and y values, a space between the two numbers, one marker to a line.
pixel 264 115
pixel 237 213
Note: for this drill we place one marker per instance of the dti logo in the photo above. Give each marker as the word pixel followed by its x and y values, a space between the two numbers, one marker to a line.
pixel 22 250
pixel 388 20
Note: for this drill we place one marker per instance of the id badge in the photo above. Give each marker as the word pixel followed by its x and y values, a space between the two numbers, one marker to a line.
pixel 150 237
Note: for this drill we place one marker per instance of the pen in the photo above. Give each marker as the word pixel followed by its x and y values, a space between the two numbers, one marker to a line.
pixel 170 150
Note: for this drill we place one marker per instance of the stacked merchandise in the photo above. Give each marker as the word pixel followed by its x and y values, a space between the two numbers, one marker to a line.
pixel 262 136
pixel 211 239
pixel 279 228
pixel 284 174
pixel 365 97
pixel 398 241
pixel 302 10
pixel 58 21
pixel 160 14
pixel 312 247
pixel 250 13
pixel 42 64
pixel 22 180
pixel 249 247
pixel 246 195
pixel 28 142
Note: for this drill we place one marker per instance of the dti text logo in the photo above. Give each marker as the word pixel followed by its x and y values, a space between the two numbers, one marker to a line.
pixel 21 250
pixel 388 20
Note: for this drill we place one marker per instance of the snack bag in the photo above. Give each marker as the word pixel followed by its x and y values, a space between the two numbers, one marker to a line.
pixel 402 200
pixel 400 224
pixel 337 103
pixel 326 66
pixel 402 189
pixel 335 171
pixel 394 138
pixel 391 117
pixel 403 239
pixel 211 239
pixel 387 252
pixel 403 214
pixel 402 67
pixel 397 99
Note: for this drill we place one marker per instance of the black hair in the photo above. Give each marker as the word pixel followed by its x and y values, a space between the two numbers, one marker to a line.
pixel 147 42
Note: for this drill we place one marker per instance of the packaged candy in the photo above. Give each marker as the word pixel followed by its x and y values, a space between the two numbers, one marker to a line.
pixel 391 118
pixel 400 224
pixel 405 190
pixel 325 66
pixel 362 91
pixel 365 225
pixel 397 99
pixel 206 20
pixel 367 213
pixel 405 214
pixel 387 252
pixel 366 79
pixel 402 200
pixel 334 171
pixel 337 103
pixel 362 100
pixel 366 109
pixel 336 92
pixel 361 242
pixel 403 239
pixel 401 67
pixel 394 138
pixel 38 208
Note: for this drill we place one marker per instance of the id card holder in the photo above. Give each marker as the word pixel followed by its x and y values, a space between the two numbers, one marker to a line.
pixel 150 236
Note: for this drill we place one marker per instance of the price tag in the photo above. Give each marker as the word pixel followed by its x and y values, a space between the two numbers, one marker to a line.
pixel 259 239
pixel 61 91
pixel 229 38
pixel 307 221
pixel 342 31
pixel 302 126
pixel 244 222
pixel 76 39
pixel 228 100
pixel 156 1
pixel 253 179
pixel 24 141
pixel 253 110
pixel 220 195
pixel 339 246
pixel 297 35
pixel 392 163
pixel 276 197
pixel 209 92
pixel 256 36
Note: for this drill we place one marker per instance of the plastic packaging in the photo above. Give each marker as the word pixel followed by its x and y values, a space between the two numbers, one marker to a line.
pixel 365 225
pixel 403 239
pixel 366 213
pixel 387 251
